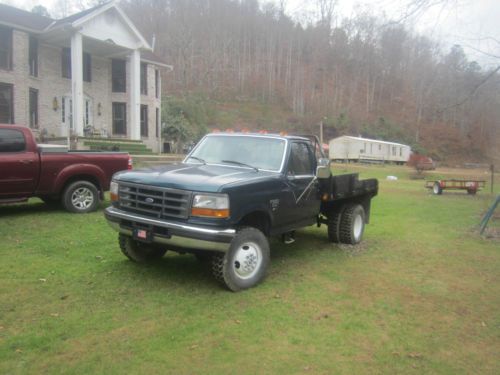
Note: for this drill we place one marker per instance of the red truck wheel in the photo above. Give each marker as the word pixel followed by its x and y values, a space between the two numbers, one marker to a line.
pixel 80 197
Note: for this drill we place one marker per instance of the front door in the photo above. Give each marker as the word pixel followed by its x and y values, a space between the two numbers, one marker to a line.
pixel 67 115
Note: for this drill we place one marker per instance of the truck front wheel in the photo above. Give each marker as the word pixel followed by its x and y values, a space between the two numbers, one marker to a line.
pixel 245 263
pixel 137 251
pixel 352 224
pixel 80 197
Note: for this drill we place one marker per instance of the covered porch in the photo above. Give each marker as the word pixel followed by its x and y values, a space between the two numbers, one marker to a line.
pixel 91 42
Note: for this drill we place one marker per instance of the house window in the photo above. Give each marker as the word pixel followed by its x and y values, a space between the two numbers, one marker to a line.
pixel 11 140
pixel 5 48
pixel 394 150
pixel 379 147
pixel 87 67
pixel 66 62
pixel 119 118
pixel 33 108
pixel 63 110
pixel 401 151
pixel 6 104
pixel 118 75
pixel 144 79
pixel 144 120
pixel 157 83
pixel 157 122
pixel 87 112
pixel 371 148
pixel 33 56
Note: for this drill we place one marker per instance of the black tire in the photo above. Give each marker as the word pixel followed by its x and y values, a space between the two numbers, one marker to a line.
pixel 245 263
pixel 437 189
pixel 352 224
pixel 333 223
pixel 203 256
pixel 471 191
pixel 81 197
pixel 139 252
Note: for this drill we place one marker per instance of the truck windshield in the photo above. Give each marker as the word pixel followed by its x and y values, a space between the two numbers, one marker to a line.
pixel 256 152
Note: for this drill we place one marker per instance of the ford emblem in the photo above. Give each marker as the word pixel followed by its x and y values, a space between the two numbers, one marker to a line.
pixel 149 200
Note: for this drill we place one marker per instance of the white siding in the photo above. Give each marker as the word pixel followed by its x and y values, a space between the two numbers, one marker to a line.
pixel 355 148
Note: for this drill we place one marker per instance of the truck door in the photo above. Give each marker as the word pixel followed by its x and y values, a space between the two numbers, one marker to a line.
pixel 18 167
pixel 303 199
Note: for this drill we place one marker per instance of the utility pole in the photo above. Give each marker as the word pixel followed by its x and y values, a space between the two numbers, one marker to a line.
pixel 492 169
pixel 321 132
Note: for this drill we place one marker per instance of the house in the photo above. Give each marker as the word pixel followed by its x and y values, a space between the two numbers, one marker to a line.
pixel 89 73
pixel 347 148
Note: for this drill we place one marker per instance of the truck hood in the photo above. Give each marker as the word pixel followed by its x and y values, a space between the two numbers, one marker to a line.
pixel 198 177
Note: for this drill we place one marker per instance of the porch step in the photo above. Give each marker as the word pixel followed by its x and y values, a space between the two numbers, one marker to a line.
pixel 109 144
pixel 151 160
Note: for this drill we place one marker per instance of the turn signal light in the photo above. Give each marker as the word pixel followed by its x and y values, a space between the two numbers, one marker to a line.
pixel 209 212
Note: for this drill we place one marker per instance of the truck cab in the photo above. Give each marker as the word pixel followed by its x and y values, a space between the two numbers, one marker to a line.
pixel 229 195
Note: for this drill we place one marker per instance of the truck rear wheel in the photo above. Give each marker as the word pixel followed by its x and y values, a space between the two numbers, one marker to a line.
pixel 80 197
pixel 333 223
pixel 245 263
pixel 352 224
pixel 137 251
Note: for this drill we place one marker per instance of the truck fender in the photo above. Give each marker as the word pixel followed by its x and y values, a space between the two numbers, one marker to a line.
pixel 257 210
pixel 83 170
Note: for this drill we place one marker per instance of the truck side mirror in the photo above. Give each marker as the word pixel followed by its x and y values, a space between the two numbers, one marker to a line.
pixel 323 162
pixel 323 171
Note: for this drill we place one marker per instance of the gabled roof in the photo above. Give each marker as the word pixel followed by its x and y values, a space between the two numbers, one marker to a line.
pixel 77 16
pixel 31 22
pixel 77 19
pixel 23 19
pixel 151 57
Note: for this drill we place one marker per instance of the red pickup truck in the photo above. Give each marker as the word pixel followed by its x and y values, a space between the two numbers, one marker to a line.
pixel 77 179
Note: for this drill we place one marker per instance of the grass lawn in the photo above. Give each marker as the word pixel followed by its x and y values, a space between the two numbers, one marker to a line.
pixel 421 294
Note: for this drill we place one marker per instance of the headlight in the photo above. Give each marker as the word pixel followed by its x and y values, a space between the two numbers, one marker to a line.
pixel 113 190
pixel 210 205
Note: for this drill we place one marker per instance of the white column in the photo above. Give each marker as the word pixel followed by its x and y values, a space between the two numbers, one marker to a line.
pixel 77 82
pixel 135 95
pixel 160 143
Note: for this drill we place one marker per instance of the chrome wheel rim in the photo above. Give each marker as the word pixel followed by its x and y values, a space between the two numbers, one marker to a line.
pixel 358 227
pixel 82 198
pixel 247 260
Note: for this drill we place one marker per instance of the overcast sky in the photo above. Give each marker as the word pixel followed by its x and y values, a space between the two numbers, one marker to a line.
pixel 474 24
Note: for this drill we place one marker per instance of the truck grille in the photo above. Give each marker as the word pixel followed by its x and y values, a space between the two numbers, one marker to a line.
pixel 154 201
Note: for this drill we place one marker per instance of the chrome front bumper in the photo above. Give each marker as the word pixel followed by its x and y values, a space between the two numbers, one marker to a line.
pixel 170 233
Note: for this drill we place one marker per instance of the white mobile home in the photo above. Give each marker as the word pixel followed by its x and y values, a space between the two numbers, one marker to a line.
pixel 347 148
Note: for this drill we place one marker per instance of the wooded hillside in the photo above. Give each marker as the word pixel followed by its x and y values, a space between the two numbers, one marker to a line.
pixel 367 76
